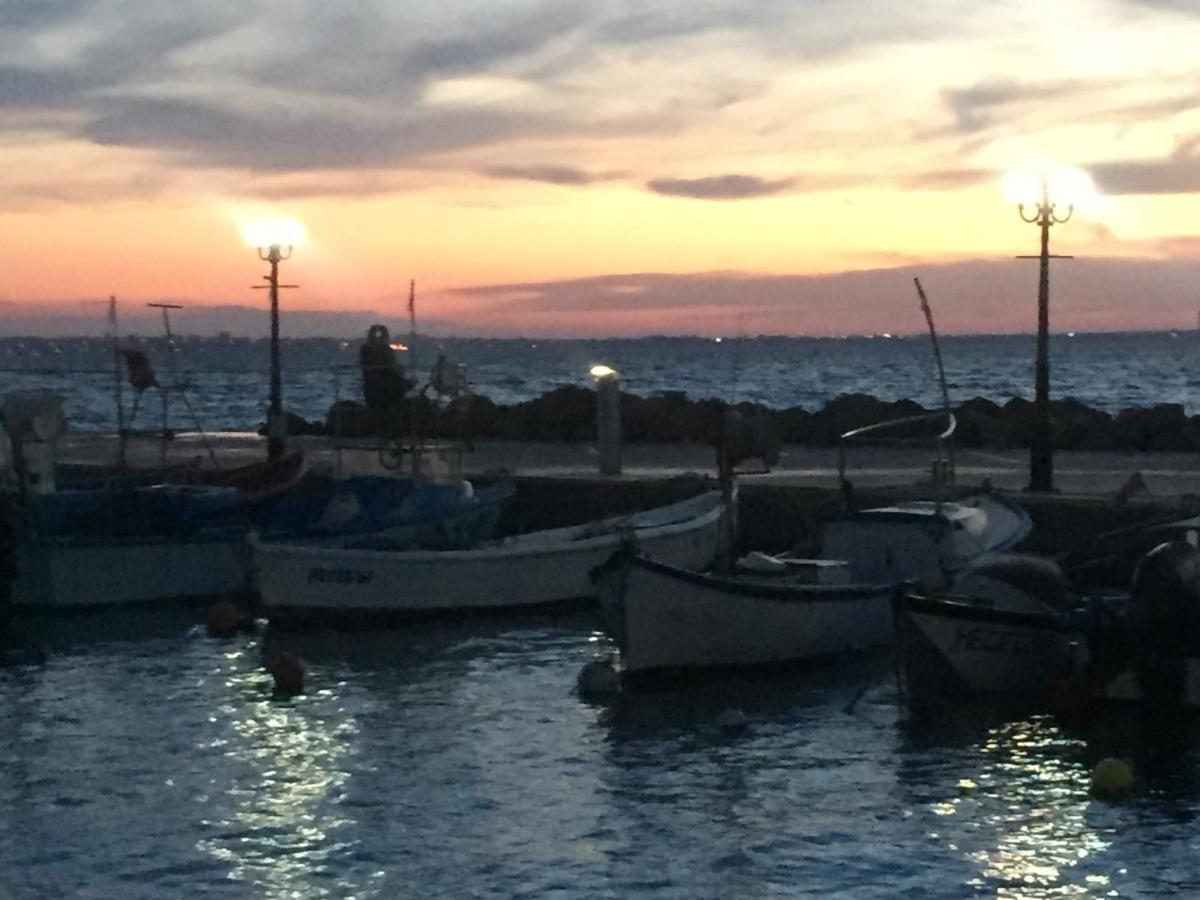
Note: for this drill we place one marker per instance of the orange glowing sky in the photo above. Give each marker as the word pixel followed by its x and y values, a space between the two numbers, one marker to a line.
pixel 559 167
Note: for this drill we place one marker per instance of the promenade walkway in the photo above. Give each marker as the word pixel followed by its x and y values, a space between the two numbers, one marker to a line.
pixel 1096 475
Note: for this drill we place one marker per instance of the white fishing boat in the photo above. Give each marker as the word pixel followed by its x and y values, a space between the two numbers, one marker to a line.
pixel 772 610
pixel 301 580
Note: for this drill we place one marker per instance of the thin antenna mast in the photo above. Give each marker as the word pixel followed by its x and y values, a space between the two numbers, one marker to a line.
pixel 937 355
pixel 118 380
pixel 178 385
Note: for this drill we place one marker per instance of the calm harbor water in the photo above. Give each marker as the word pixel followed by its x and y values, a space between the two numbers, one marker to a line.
pixel 228 376
pixel 141 758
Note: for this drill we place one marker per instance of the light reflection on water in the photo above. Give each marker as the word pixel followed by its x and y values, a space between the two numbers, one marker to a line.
pixel 284 832
pixel 145 759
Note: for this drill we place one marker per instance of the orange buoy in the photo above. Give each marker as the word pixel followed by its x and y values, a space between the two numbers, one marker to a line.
pixel 224 619
pixel 288 671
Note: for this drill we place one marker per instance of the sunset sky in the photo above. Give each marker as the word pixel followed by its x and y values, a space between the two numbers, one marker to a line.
pixel 591 168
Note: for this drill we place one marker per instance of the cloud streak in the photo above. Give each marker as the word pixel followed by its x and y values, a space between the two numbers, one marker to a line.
pixel 559 175
pixel 719 187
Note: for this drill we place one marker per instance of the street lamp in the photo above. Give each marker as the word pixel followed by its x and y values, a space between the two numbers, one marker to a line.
pixel 1040 198
pixel 274 240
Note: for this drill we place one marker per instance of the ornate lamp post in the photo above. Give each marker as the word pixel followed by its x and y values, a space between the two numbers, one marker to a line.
pixel 274 241
pixel 1039 201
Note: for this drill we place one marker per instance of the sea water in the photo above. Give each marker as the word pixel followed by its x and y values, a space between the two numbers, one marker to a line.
pixel 226 378
pixel 141 758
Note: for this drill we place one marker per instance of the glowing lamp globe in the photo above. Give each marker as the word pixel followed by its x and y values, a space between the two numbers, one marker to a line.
pixel 1059 186
pixel 273 233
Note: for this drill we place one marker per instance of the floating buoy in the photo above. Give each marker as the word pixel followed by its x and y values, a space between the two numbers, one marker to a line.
pixel 732 721
pixel 1112 778
pixel 224 619
pixel 288 671
pixel 598 679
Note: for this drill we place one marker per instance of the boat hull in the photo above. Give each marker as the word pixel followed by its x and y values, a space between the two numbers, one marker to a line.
pixel 952 648
pixel 110 568
pixel 663 618
pixel 65 575
pixel 299 581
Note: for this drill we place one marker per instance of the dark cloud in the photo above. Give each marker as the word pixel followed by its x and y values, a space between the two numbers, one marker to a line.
pixel 561 175
pixel 1163 176
pixel 21 15
pixel 996 294
pixel 980 106
pixel 320 85
pixel 947 179
pixel 203 134
pixel 719 187
pixel 1181 6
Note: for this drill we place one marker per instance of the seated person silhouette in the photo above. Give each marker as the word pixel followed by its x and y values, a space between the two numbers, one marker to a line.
pixel 384 383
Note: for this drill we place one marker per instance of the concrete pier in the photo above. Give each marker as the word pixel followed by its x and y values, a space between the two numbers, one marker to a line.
pixel 780 509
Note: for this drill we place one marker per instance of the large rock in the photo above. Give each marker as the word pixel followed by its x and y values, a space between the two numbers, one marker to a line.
pixel 751 433
pixel 847 412
pixel 795 425
pixel 567 413
pixel 1160 427
pixel 475 415
pixel 981 423
pixel 670 417
pixel 1074 424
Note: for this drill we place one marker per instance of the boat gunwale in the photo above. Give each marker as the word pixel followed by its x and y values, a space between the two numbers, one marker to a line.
pixel 959 609
pixel 778 593
pixel 551 542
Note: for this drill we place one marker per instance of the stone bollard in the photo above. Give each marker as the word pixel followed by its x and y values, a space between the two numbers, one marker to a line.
pixel 608 418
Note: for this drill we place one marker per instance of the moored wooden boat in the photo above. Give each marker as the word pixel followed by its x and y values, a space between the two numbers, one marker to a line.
pixel 972 640
pixel 664 617
pixel 301 580
pixel 86 550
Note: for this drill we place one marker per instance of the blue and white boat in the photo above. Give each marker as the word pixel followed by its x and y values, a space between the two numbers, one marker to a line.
pixel 135 544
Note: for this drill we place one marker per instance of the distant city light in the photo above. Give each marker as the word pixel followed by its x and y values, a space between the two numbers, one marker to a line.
pixel 718 340
pixel 601 372
pixel 398 346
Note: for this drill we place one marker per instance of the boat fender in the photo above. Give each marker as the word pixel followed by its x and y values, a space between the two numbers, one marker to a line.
pixel 597 680
pixel 733 721
pixel 287 670
pixel 1112 778
pixel 224 619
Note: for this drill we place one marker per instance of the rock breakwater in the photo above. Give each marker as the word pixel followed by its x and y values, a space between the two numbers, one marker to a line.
pixel 569 414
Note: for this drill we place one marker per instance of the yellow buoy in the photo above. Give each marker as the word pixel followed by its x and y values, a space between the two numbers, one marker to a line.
pixel 1112 778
